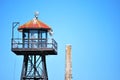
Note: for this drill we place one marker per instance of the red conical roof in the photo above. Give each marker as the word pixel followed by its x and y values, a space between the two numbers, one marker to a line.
pixel 34 24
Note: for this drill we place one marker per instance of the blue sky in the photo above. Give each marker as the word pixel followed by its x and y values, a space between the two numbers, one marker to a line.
pixel 92 27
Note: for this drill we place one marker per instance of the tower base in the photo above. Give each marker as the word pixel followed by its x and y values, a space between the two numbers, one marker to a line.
pixel 34 68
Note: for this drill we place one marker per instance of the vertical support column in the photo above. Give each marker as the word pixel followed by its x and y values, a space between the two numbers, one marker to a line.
pixel 24 67
pixel 44 73
pixel 34 66
pixel 68 69
pixel 46 41
pixel 23 39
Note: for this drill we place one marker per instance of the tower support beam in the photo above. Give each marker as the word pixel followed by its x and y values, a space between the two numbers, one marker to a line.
pixel 34 68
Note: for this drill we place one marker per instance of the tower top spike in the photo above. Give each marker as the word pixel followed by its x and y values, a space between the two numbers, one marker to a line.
pixel 36 14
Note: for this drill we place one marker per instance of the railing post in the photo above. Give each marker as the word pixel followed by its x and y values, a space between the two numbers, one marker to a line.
pixel 11 43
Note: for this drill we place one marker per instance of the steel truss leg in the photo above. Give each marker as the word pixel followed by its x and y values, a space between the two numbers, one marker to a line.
pixel 34 68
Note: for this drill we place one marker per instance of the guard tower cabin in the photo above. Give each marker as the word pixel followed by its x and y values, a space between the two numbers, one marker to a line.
pixel 34 39
pixel 34 45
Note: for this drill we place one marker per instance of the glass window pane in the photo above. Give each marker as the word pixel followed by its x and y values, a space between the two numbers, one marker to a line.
pixel 33 41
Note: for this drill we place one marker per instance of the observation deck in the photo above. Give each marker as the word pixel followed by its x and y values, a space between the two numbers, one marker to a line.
pixel 34 46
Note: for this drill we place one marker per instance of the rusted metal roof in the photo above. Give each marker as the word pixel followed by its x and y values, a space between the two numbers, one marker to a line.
pixel 34 24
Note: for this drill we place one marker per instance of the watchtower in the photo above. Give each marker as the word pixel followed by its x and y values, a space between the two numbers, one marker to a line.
pixel 34 45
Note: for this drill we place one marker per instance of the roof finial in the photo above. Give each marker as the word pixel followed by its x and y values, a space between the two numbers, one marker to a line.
pixel 36 14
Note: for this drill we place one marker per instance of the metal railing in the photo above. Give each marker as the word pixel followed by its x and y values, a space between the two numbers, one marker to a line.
pixel 33 43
